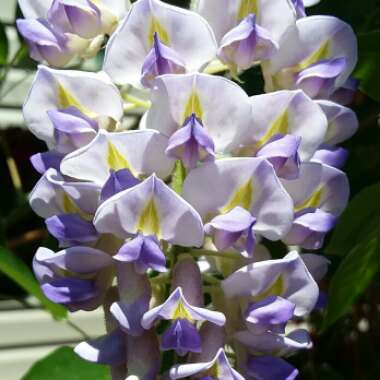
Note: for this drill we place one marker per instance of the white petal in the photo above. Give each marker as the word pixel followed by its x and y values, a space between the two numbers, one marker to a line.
pixel 224 106
pixel 169 216
pixel 34 8
pixel 187 33
pixel 286 112
pixel 212 186
pixel 143 152
pixel 93 93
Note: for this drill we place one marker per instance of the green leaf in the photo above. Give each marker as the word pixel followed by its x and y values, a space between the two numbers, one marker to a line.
pixel 178 177
pixel 19 272
pixel 367 70
pixel 64 364
pixel 352 277
pixel 3 45
pixel 360 219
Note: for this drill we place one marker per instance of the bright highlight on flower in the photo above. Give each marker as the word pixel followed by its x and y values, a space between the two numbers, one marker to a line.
pixel 167 221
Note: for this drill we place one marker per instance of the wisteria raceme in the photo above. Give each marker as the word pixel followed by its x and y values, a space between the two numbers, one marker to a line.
pixel 167 224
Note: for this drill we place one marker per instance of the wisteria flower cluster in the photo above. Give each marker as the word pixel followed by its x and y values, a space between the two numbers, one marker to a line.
pixel 168 226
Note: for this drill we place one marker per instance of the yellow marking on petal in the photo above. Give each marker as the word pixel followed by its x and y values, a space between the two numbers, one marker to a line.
pixel 246 7
pixel 69 207
pixel 180 312
pixel 214 372
pixel 116 160
pixel 313 201
pixel 242 197
pixel 279 126
pixel 321 53
pixel 193 105
pixel 66 99
pixel 149 221
pixel 276 289
pixel 156 27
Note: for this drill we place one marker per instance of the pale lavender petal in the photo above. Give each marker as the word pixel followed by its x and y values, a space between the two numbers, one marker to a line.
pixel 246 43
pixel 228 228
pixel 191 143
pixel 318 80
pixel 160 60
pixel 282 153
pixel 44 42
pixel 270 314
pixel 309 228
pixel 331 156
pixel 43 161
pixel 72 129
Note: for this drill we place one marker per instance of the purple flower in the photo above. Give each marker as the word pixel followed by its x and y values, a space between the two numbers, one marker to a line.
pixel 270 368
pixel 270 314
pixel 182 335
pixel 160 60
pixel 144 252
pixel 71 229
pixel 77 277
pixel 233 229
pixel 191 143
pixel 246 43
pixel 117 181
pixel 44 42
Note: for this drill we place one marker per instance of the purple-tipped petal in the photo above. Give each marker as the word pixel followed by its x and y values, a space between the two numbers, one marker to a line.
pixel 309 228
pixel 270 314
pixel 318 80
pixel 282 153
pixel 71 229
pixel 44 42
pixel 191 143
pixel 109 349
pixel 43 161
pixel 270 368
pixel 83 19
pixel 160 60
pixel 117 181
pixel 182 336
pixel 70 291
pixel 72 129
pixel 145 252
pixel 228 228
pixel 246 43
pixel 331 156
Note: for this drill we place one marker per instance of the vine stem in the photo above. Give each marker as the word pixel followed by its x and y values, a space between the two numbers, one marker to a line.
pixel 20 53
